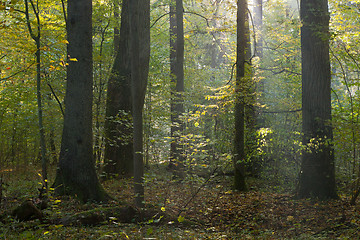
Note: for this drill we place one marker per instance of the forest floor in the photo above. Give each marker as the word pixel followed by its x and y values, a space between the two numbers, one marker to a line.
pixel 197 209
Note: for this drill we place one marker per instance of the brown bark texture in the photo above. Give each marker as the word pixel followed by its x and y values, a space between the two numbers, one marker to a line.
pixel 317 176
pixel 76 173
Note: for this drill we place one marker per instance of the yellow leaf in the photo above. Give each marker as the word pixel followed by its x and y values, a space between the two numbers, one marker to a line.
pixel 181 219
pixel 73 59
pixel 64 41
pixel 163 209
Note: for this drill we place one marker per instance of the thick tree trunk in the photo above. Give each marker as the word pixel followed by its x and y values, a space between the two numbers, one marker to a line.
pixel 76 173
pixel 139 11
pixel 118 122
pixel 317 176
pixel 177 84
pixel 240 93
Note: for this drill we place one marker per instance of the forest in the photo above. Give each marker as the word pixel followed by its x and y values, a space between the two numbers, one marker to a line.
pixel 179 119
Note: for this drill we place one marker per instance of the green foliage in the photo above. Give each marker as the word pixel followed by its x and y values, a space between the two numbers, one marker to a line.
pixel 345 87
pixel 18 86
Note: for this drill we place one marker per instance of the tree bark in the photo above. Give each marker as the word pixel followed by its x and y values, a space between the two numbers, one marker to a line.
pixel 240 93
pixel 76 173
pixel 258 22
pixel 139 12
pixel 116 4
pixel 118 122
pixel 317 176
pixel 177 87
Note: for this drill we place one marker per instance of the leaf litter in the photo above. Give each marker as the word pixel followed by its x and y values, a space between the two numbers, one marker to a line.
pixel 202 211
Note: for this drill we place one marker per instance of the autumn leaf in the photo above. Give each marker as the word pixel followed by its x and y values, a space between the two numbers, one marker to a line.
pixel 180 219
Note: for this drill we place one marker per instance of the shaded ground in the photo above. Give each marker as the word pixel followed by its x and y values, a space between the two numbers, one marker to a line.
pixel 197 210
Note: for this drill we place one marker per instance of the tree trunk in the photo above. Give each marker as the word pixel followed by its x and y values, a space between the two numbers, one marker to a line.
pixel 116 4
pixel 240 92
pixel 98 101
pixel 317 176
pixel 139 11
pixel 76 173
pixel 36 37
pixel 177 85
pixel 118 122
pixel 258 22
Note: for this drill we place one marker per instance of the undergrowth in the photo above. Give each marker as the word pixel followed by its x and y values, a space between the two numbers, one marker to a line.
pixel 203 208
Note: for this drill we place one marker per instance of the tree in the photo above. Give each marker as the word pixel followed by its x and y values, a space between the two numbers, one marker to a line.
pixel 255 120
pixel 118 121
pixel 177 86
pixel 36 36
pixel 317 176
pixel 258 22
pixel 76 173
pixel 240 96
pixel 139 15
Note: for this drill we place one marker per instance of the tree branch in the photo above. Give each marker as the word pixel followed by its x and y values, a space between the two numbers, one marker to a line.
pixel 57 99
pixel 13 75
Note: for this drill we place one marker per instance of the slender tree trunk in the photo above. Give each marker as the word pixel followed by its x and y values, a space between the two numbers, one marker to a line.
pixel 240 92
pixel 98 103
pixel 317 176
pixel 147 130
pixel 118 121
pixel 258 22
pixel 36 37
pixel 52 147
pixel 76 173
pixel 177 82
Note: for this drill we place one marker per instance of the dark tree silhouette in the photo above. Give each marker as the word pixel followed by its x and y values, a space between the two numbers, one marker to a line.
pixel 240 92
pixel 317 176
pixel 76 173
pixel 118 122
pixel 140 55
pixel 177 86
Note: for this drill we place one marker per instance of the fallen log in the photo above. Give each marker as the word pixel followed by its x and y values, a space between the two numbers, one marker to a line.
pixel 99 215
